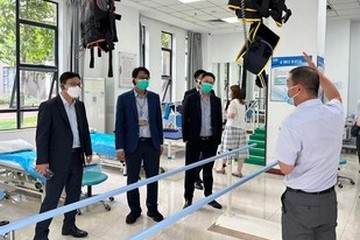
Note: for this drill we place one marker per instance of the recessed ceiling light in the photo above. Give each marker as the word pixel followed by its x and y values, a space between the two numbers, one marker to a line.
pixel 230 19
pixel 189 1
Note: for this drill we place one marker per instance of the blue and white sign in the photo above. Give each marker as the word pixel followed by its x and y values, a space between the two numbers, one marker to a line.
pixel 280 68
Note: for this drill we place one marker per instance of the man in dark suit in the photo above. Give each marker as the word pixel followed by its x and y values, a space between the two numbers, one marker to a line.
pixel 62 142
pixel 197 78
pixel 139 140
pixel 201 128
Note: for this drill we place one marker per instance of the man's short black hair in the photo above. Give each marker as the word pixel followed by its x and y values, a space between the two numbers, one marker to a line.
pixel 67 75
pixel 198 73
pixel 307 77
pixel 136 71
pixel 208 74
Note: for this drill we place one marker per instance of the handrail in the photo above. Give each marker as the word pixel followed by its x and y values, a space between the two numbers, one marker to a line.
pixel 88 201
pixel 198 204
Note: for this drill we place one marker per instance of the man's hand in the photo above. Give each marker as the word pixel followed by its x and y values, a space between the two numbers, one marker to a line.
pixel 120 156
pixel 309 61
pixel 161 150
pixel 41 168
pixel 89 158
pixel 329 88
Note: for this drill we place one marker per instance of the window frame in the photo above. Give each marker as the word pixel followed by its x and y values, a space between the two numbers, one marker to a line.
pixel 15 96
pixel 168 78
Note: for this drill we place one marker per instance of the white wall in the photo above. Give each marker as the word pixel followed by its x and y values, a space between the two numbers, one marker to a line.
pixel 128 35
pixel 354 82
pixel 225 47
pixel 154 29
pixel 27 134
pixel 337 60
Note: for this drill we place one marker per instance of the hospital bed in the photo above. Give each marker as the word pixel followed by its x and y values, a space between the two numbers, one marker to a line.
pixel 17 171
pixel 103 144
pixel 172 136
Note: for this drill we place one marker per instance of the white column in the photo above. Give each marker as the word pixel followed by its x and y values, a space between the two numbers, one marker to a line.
pixel 305 31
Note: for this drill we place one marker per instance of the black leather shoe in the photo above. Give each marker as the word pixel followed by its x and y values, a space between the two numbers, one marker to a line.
pixel 187 203
pixel 198 185
pixel 215 204
pixel 155 215
pixel 132 217
pixel 75 232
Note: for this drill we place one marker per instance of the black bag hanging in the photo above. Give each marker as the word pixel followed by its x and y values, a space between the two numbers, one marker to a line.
pixel 259 48
pixel 98 28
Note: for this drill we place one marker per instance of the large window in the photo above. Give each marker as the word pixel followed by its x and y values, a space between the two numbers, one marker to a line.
pixel 28 59
pixel 142 45
pixel 166 64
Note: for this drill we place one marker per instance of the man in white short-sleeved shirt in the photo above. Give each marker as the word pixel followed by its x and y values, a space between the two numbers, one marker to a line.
pixel 308 151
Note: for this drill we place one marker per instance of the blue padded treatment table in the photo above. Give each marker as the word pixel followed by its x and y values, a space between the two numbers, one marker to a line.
pixel 25 160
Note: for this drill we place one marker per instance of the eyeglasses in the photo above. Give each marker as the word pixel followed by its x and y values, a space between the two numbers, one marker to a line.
pixel 74 84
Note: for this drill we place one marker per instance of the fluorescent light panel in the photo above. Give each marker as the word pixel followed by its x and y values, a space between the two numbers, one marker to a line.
pixel 189 1
pixel 230 20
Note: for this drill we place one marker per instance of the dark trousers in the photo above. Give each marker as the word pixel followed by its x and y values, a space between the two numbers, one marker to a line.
pixel 309 216
pixel 71 180
pixel 197 176
pixel 205 148
pixel 150 157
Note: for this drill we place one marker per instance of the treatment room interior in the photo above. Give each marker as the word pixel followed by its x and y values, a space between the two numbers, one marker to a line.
pixel 155 34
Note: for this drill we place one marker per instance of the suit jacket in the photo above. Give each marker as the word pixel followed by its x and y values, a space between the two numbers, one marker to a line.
pixel 127 121
pixel 191 118
pixel 54 138
pixel 189 92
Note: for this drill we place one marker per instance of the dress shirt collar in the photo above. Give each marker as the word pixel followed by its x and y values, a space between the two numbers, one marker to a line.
pixel 138 95
pixel 66 102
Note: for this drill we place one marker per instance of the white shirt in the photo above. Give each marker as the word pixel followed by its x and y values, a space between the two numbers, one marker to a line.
pixel 71 114
pixel 206 128
pixel 310 139
pixel 239 110
pixel 143 114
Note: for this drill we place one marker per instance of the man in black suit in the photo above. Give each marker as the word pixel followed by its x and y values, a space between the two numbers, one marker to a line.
pixel 197 77
pixel 62 142
pixel 201 128
pixel 139 140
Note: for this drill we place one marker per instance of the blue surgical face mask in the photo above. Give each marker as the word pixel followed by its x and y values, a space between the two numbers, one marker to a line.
pixel 287 99
pixel 143 84
pixel 206 87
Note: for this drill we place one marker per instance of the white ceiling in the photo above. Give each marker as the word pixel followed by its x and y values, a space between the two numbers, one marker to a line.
pixel 344 9
pixel 204 15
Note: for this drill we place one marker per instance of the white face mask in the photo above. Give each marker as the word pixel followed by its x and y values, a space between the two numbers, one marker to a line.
pixel 74 92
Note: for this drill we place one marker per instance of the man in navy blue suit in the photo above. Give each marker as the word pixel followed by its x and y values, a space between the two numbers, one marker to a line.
pixel 139 140
pixel 63 145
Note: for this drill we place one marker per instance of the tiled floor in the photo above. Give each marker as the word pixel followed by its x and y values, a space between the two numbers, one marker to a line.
pixel 257 199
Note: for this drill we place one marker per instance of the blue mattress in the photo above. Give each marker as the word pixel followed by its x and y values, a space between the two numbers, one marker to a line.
pixel 25 159
pixel 173 134
pixel 103 144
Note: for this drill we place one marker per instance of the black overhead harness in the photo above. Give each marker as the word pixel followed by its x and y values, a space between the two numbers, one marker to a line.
pixel 255 10
pixel 260 41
